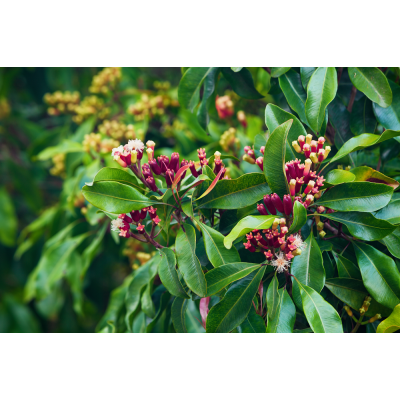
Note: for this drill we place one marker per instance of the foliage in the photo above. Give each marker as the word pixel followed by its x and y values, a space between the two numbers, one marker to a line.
pixel 229 225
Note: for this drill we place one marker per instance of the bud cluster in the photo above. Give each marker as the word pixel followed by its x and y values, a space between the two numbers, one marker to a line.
pixel 58 168
pixel 123 222
pixel 250 156
pixel 117 130
pixel 162 85
pixel 224 106
pixel 90 105
pixel 105 80
pixel 277 246
pixel 151 106
pixel 4 108
pixel 95 142
pixel 61 103
pixel 312 149
pixel 228 140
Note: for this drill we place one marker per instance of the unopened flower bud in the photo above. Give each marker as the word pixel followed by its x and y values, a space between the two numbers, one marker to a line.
pixel 340 166
pixel 299 183
pixel 143 213
pixel 301 139
pixel 217 155
pixel 308 139
pixel 296 146
pixel 318 195
pixel 349 311
pixel 314 158
pixel 375 318
pixel 313 146
pixel 287 204
pixel 282 222
pixel 310 185
pixel 307 166
pixel 309 199
pixel 320 209
pixel 193 169
pixel 241 116
pixel 169 177
pixel 321 142
pixel 150 153
pixel 268 203
pixel 292 186
pixel 262 150
pixel 321 155
pixel 296 252
pixel 174 162
pixel 320 226
pixel 134 156
pixel 150 144
pixel 155 167
pixel 252 154
pixel 260 163
pixel 348 168
pixel 249 159
pixel 261 209
pixel 275 223
pixel 246 149
pixel 307 150
pixel 327 151
pixel 277 202
pixel 322 234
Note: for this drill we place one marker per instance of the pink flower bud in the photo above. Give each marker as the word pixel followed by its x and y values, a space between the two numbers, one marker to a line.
pixel 277 202
pixel 135 215
pixel 292 186
pixel 299 183
pixel 261 209
pixel 260 163
pixel 307 150
pixel 163 162
pixel 183 163
pixel 314 146
pixel 246 149
pixel 251 154
pixel 174 163
pixel 309 187
pixel 268 255
pixel 321 142
pixel 146 171
pixel 262 150
pixel 301 139
pixel 155 167
pixel 309 199
pixel 307 166
pixel 321 155
pixel 143 213
pixel 250 247
pixel 321 209
pixel 201 153
pixel 152 212
pixel 268 203
pixel 193 169
pixel 169 177
pixel 140 228
pixel 156 220
pixel 287 204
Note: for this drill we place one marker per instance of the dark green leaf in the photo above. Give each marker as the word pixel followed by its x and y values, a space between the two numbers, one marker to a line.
pixel 306 73
pixel 389 117
pixel 346 269
pixel 392 242
pixel 178 314
pixel 209 88
pixel 299 217
pixel 390 213
pixel 8 219
pixel 242 83
pixel 278 71
pixel 236 69
pixel 362 118
pixel 253 323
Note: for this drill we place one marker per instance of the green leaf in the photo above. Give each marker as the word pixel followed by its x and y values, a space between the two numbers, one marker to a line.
pixel 209 88
pixel 294 92
pixel 392 242
pixel 308 267
pixel 66 146
pixel 391 324
pixel 389 117
pixel 379 273
pixel 190 84
pixel 321 90
pixel 168 274
pixel 236 69
pixel 352 292
pixel 299 217
pixel 362 225
pixel 274 159
pixel 121 176
pixel 275 116
pixel 218 278
pixel 188 263
pixel 278 71
pixel 390 213
pixel 363 141
pixel 248 224
pixel 215 249
pixel 281 310
pixel 178 314
pixel 362 118
pixel 8 219
pixel 321 316
pixel 242 83
pixel 367 174
pixel 232 310
pixel 231 194
pixel 346 269
pixel 373 83
pixel 146 301
pixel 337 176
pixel 253 323
pixel 356 196
pixel 306 73
pixel 115 197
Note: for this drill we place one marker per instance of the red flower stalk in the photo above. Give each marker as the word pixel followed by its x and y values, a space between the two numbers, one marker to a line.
pixel 277 202
pixel 268 203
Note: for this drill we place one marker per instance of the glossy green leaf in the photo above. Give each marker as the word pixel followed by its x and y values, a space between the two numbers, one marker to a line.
pixel 236 69
pixel 278 71
pixel 219 278
pixel 306 73
pixel 253 323
pixel 168 273
pixel 389 117
pixel 281 310
pixel 368 174
pixel 231 194
pixel 362 118
pixel 392 323
pixel 275 116
pixel 294 92
pixel 321 90
pixel 379 273
pixel 346 268
pixel 233 309
pixel 209 88
pixel 188 263
pixel 248 224
pixel 356 196
pixel 390 213
pixel 363 141
pixel 241 83
pixel 274 159
pixel 362 225
pixel 353 293
pixel 178 314
pixel 121 176
pixel 217 253
pixel 321 316
pixel 392 242
pixel 373 83
pixel 337 176
pixel 299 217
pixel 115 197
pixel 146 301
pixel 8 219
pixel 190 84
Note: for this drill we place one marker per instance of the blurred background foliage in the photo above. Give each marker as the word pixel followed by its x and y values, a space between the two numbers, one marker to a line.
pixel 62 269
